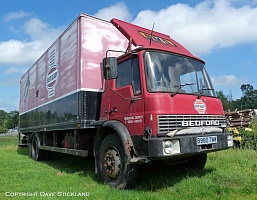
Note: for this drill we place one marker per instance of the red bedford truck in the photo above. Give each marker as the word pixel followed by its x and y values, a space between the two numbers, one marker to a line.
pixel 126 95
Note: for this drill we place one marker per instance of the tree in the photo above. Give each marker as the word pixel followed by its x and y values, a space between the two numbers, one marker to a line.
pixel 247 101
pixel 12 120
pixel 3 115
pixel 3 130
pixel 249 98
pixel 224 100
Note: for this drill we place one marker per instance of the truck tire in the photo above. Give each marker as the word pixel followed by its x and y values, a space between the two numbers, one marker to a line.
pixel 197 161
pixel 114 166
pixel 36 153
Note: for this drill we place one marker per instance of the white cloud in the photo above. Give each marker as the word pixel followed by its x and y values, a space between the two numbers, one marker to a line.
pixel 18 52
pixel 118 10
pixel 39 30
pixel 16 15
pixel 35 28
pixel 210 24
pixel 15 70
pixel 227 81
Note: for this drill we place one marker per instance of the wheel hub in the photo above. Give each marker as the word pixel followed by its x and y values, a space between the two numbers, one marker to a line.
pixel 112 163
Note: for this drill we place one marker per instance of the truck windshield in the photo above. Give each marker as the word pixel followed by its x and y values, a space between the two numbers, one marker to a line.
pixel 176 74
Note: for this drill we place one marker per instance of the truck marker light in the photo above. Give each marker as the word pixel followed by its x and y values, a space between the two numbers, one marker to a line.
pixel 230 140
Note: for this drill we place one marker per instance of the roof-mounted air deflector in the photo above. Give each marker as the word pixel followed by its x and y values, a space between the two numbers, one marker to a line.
pixel 147 38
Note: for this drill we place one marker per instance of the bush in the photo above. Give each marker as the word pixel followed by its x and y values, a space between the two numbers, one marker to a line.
pixel 3 130
pixel 249 137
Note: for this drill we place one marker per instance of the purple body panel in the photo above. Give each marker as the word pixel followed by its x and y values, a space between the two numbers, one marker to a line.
pixel 73 63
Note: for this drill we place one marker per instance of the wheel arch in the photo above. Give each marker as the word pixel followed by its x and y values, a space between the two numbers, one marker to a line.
pixel 110 127
pixel 38 136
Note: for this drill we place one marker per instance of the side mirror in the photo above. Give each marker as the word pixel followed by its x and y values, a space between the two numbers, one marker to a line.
pixel 110 67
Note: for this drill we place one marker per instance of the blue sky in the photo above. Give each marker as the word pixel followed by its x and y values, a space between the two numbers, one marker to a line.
pixel 221 32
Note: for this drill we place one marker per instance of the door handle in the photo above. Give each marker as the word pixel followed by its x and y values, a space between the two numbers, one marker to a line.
pixel 134 99
pixel 114 110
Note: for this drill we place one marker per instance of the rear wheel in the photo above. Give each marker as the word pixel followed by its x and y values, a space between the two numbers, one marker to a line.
pixel 197 161
pixel 114 166
pixel 36 153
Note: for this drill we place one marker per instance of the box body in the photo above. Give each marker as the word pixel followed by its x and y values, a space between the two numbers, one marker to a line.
pixel 62 90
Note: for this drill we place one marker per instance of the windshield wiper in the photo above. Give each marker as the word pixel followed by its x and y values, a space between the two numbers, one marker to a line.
pixel 203 89
pixel 179 87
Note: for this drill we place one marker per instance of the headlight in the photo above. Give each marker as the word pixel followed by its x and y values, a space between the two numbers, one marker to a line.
pixel 171 147
pixel 167 147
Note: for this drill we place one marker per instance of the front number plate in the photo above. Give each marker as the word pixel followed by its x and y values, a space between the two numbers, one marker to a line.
pixel 206 140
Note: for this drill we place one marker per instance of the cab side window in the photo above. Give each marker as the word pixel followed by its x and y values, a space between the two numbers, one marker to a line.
pixel 128 74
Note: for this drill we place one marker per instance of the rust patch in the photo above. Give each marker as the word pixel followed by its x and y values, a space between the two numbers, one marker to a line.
pixel 130 149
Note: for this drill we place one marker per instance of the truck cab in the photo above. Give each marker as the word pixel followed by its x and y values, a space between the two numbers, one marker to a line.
pixel 163 97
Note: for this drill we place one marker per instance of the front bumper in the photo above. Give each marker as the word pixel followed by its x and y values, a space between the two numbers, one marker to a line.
pixel 186 145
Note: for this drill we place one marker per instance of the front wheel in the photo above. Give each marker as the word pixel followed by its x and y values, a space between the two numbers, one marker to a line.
pixel 114 166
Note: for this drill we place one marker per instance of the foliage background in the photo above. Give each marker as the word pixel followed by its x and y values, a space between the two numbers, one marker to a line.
pixel 8 120
pixel 247 101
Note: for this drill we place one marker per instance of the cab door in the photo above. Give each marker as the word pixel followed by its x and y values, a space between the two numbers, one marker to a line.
pixel 126 102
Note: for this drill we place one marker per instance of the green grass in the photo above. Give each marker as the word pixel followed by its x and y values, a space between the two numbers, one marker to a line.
pixel 230 174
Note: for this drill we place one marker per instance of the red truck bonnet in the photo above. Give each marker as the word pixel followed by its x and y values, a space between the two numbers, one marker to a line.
pixel 141 37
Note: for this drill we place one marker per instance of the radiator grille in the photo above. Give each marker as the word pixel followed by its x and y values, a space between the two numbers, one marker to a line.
pixel 167 123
